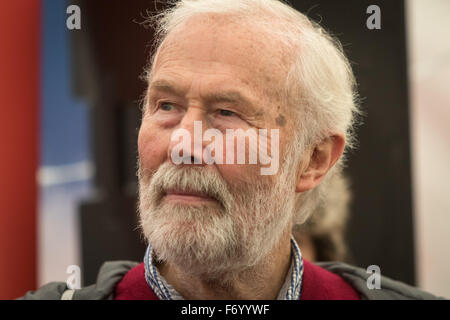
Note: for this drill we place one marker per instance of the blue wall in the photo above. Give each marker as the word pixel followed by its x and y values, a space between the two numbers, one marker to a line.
pixel 64 119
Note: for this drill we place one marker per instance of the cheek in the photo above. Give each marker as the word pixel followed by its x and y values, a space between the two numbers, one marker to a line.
pixel 243 174
pixel 152 147
pixel 239 174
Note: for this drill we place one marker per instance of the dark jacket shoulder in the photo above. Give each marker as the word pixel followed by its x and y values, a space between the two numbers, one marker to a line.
pixel 389 289
pixel 108 277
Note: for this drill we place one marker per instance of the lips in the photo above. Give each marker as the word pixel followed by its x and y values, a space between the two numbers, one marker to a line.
pixel 178 193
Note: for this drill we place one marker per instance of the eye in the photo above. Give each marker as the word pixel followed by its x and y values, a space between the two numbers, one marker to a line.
pixel 226 113
pixel 167 106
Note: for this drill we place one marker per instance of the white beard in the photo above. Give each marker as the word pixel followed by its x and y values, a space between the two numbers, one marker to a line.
pixel 214 239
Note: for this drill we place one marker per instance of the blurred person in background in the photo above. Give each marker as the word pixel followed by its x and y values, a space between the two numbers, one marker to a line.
pixel 322 236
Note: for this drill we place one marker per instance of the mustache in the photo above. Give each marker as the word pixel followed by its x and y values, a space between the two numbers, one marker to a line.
pixel 187 178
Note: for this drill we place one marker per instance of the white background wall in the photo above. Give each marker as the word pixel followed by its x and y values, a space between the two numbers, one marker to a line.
pixel 428 27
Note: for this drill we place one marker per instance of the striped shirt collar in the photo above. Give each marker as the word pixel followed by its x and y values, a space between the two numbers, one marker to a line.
pixel 290 290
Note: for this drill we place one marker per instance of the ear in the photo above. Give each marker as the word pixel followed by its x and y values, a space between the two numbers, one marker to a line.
pixel 323 157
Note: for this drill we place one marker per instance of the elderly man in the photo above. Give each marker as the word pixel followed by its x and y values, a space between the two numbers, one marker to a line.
pixel 248 111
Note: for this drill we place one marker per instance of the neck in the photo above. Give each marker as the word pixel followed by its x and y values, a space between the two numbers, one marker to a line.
pixel 262 281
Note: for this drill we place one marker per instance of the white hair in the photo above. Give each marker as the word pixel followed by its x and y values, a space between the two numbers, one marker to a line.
pixel 320 87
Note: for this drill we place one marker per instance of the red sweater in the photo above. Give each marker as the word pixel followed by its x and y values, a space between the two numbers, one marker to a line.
pixel 317 284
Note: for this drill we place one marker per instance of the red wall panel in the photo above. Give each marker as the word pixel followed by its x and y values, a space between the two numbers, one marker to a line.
pixel 19 104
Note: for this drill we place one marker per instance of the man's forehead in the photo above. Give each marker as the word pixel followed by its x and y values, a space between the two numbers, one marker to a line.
pixel 212 39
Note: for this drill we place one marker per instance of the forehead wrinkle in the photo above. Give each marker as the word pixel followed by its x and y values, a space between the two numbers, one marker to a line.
pixel 166 86
pixel 228 96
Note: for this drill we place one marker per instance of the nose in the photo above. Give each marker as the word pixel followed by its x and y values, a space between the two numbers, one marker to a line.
pixel 186 143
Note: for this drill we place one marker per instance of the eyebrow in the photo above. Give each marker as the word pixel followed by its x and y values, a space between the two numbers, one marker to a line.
pixel 228 96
